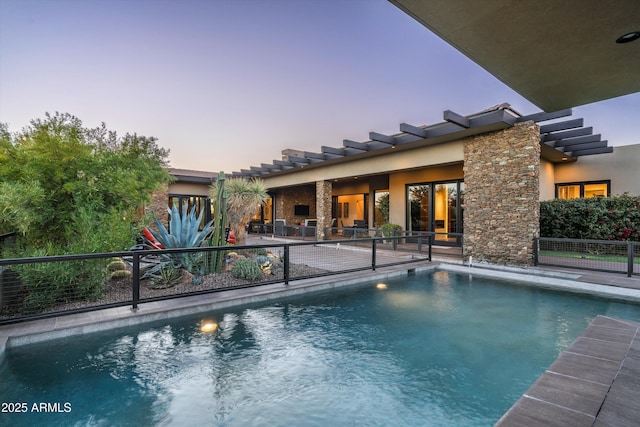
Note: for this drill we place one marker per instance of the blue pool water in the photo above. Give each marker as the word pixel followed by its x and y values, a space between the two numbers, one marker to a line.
pixel 429 350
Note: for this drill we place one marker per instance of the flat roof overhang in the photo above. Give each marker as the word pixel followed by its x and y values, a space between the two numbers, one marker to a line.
pixel 556 54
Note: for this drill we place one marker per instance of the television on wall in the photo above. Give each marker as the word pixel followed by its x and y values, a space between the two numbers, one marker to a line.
pixel 301 210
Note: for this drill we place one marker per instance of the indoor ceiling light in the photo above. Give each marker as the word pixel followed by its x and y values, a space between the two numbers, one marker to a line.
pixel 629 37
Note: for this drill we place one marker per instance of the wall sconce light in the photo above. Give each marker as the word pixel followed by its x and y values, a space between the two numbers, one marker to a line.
pixel 629 37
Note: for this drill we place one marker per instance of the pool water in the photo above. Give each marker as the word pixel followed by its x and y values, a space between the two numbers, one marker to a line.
pixel 436 349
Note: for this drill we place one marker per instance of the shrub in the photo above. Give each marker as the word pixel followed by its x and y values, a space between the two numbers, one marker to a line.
pixel 246 268
pixel 388 229
pixel 51 283
pixel 599 218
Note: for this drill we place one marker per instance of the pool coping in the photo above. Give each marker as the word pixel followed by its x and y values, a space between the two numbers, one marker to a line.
pixel 537 406
pixel 594 382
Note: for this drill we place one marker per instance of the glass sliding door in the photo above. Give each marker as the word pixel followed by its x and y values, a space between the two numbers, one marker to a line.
pixel 418 202
pixel 446 213
pixel 436 207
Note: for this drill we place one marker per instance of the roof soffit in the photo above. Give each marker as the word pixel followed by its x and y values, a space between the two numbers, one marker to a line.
pixel 557 54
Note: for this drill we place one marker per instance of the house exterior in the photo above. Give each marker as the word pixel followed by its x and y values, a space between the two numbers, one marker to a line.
pixel 473 180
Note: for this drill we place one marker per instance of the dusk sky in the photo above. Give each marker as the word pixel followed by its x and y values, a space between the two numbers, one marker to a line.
pixel 226 85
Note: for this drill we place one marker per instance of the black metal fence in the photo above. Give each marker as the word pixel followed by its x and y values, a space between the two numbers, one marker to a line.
pixel 596 255
pixel 41 287
pixel 443 243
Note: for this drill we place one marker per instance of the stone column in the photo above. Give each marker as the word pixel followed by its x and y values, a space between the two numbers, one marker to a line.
pixel 502 195
pixel 323 208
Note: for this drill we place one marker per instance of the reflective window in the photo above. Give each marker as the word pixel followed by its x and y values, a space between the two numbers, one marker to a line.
pixel 583 189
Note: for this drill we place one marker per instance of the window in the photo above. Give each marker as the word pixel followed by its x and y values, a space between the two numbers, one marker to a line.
pixel 381 211
pixel 583 189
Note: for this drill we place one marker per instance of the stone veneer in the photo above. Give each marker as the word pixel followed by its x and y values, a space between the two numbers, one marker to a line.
pixel 158 205
pixel 323 208
pixel 286 199
pixel 502 195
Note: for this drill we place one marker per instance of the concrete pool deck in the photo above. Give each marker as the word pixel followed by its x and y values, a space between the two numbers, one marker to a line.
pixel 596 381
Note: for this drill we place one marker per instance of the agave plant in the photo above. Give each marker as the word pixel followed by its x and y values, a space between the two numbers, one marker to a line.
pixel 183 233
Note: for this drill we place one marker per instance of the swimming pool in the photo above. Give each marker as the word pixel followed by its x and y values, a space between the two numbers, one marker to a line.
pixel 436 349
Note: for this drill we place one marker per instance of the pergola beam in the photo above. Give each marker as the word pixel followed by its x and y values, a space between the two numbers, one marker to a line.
pixel 347 143
pixel 375 136
pixel 579 140
pixel 592 151
pixel 413 130
pixel 569 124
pixel 543 117
pixel 456 118
pixel 557 136
pixel 333 151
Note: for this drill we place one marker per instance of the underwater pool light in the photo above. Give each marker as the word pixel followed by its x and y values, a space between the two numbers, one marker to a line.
pixel 208 326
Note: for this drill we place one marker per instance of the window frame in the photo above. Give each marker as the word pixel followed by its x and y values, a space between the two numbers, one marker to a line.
pixel 581 184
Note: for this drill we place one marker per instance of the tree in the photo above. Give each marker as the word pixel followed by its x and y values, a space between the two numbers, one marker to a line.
pixel 68 189
pixel 243 199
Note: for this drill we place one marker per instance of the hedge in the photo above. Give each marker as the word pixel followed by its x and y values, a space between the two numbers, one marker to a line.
pixel 599 218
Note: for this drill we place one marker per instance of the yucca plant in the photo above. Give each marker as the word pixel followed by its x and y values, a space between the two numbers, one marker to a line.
pixel 242 200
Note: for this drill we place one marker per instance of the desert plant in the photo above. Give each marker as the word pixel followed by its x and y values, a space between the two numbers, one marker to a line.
pixel 116 265
pixel 183 233
pixel 119 274
pixel 243 197
pixel 214 261
pixel 246 268
pixel 166 277
pixel 265 264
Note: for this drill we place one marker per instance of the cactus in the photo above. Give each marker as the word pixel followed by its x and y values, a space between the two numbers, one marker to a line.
pixel 218 238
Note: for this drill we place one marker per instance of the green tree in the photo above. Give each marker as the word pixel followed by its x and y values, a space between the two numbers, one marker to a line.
pixel 243 199
pixel 67 189
pixel 60 180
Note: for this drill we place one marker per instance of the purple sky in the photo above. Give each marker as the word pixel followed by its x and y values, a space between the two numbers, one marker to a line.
pixel 228 84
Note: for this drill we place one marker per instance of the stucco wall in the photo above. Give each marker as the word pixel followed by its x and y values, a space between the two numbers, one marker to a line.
pixel 547 180
pixel 621 167
pixel 189 189
pixel 502 195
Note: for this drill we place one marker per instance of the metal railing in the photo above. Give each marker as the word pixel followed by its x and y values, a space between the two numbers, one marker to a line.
pixel 32 288
pixel 444 244
pixel 597 255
